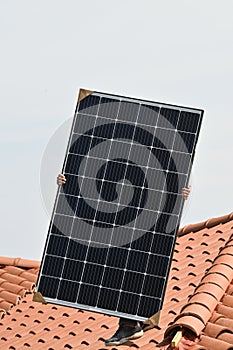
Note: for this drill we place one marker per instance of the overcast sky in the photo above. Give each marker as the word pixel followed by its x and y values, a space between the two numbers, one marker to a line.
pixel 178 52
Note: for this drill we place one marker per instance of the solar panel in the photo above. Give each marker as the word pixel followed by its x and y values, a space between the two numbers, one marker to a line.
pixel 114 224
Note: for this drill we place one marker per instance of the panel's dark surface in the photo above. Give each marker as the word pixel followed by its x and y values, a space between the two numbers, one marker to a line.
pixel 112 233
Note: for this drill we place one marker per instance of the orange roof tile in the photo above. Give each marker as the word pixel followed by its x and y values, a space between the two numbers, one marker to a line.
pixel 4 261
pixel 199 296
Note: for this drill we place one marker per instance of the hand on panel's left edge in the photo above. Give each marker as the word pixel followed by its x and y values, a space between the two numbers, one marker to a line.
pixel 61 179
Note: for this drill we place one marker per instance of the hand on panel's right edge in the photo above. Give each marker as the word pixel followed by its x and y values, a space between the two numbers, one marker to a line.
pixel 186 192
pixel 61 179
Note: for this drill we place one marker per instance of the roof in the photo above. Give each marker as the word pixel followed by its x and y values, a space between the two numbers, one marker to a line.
pixel 199 296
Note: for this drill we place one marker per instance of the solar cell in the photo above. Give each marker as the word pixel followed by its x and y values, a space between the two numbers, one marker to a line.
pixel 113 228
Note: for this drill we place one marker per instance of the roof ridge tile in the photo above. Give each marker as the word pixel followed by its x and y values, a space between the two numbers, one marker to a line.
pixel 19 262
pixel 205 224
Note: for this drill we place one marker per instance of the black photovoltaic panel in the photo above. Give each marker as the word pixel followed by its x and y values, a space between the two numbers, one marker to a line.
pixel 114 224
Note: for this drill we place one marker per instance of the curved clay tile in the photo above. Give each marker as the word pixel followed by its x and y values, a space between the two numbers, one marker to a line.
pixel 191 228
pixel 216 221
pixel 195 314
pixel 217 318
pixel 5 305
pixel 13 288
pixel 228 250
pixel 22 273
pixel 227 300
pixel 214 344
pixel 224 310
pixel 189 321
pixel 209 300
pixel 213 330
pixel 223 259
pixel 10 278
pixel 8 261
pixel 205 224
pixel 224 269
pixel 225 322
pixel 200 310
pixel 210 288
pixel 28 285
pixel 17 280
pixel 9 297
pixel 4 261
pixel 34 271
pixel 218 278
pixel 226 336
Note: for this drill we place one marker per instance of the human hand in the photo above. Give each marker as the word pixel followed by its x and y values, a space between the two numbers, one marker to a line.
pixel 186 191
pixel 186 344
pixel 61 179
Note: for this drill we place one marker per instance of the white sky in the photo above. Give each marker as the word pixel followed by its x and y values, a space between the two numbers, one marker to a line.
pixel 178 52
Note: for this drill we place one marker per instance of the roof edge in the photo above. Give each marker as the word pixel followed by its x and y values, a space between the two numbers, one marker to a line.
pixel 205 224
pixel 30 264
pixel 19 262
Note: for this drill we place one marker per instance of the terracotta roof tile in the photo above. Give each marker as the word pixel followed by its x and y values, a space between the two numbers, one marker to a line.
pixel 199 296
pixel 205 224
pixel 9 297
pixel 16 271
pixel 227 300
pixel 214 344
pixel 5 306
pixel 5 261
pixel 15 282
pixel 214 282
pixel 221 320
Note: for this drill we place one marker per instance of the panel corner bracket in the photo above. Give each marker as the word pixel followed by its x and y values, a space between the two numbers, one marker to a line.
pixel 38 297
pixel 83 93
pixel 152 321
